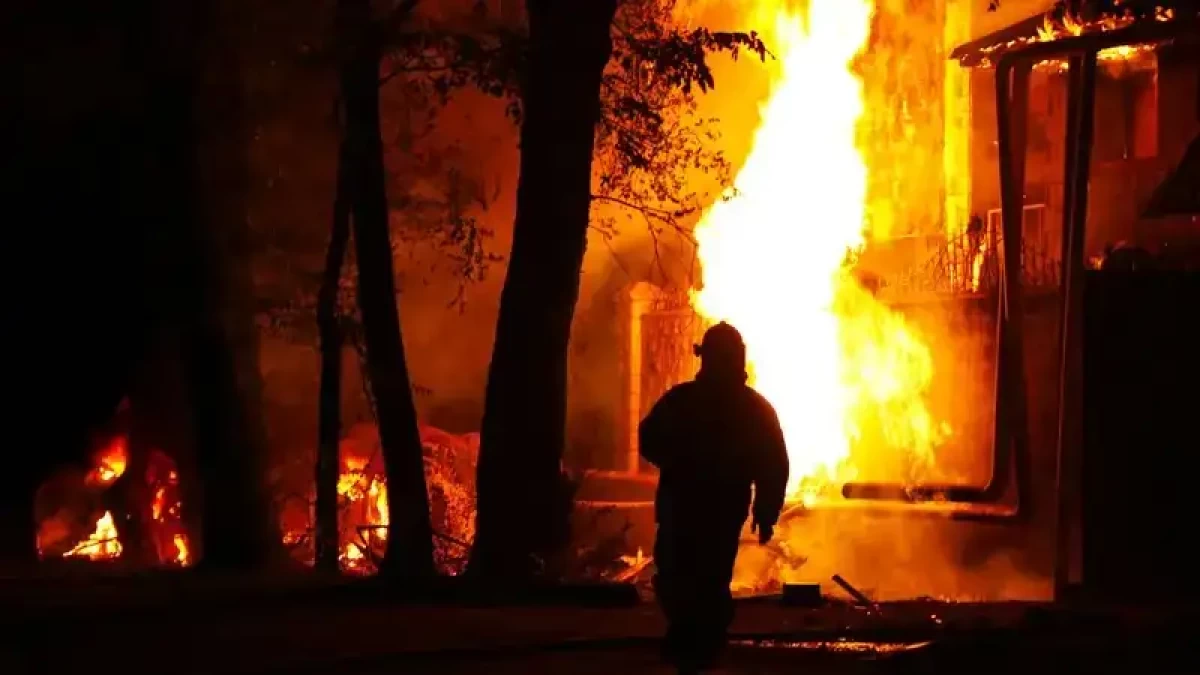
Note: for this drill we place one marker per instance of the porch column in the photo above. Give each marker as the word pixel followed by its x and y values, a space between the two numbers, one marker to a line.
pixel 640 295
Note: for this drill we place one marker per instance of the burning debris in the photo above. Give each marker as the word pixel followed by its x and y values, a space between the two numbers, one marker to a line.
pixel 363 502
pixel 69 505
pixel 103 544
pixel 166 511
pixel 80 513
pixel 635 565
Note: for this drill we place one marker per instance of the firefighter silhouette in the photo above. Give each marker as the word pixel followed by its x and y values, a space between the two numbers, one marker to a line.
pixel 712 439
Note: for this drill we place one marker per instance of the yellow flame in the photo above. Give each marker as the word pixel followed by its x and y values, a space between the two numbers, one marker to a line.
pixel 159 504
pixel 101 544
pixel 183 554
pixel 378 495
pixel 835 363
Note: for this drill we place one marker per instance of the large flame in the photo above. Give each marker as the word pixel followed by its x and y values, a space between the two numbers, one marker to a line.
pixel 837 365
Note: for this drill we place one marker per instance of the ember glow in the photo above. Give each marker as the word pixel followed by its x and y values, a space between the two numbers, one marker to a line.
pixel 838 366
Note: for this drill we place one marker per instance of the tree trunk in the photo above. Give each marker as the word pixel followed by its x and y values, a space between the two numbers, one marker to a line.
pixel 330 397
pixel 523 504
pixel 239 531
pixel 410 539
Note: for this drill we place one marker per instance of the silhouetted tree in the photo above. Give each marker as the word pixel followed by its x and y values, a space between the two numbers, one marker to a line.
pixel 643 142
pixel 524 499
pixel 329 402
pixel 521 493
pixel 206 116
pixel 410 547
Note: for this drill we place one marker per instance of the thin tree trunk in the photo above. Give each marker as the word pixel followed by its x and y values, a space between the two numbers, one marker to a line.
pixel 409 551
pixel 523 502
pixel 330 401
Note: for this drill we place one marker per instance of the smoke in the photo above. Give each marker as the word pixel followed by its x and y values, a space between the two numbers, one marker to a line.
pixel 464 169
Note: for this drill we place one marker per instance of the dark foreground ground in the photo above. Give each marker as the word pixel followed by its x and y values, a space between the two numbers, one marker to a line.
pixel 182 627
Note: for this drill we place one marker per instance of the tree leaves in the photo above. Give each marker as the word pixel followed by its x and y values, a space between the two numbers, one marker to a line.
pixel 648 136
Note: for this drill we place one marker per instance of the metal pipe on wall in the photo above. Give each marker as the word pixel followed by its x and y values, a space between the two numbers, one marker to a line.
pixel 1076 176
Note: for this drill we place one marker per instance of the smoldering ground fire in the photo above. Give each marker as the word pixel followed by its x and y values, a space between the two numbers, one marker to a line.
pixel 70 502
pixel 81 519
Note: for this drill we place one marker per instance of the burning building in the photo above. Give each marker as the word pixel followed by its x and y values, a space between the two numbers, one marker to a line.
pixel 869 295
pixel 880 329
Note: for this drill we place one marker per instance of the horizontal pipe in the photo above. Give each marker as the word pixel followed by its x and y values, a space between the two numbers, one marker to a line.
pixel 898 492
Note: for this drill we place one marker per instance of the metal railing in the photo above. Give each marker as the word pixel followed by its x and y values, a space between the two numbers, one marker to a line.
pixel 969 264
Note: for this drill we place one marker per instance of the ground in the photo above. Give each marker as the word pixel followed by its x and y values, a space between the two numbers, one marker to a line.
pixel 181 626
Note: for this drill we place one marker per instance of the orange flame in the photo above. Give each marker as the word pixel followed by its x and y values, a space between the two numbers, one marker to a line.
pixel 183 553
pixel 1072 25
pixel 105 543
pixel 369 493
pixel 832 360
pixel 110 463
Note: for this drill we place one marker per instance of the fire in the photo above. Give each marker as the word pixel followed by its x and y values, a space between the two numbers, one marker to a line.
pixel 183 553
pixel 103 544
pixel 838 366
pixel 377 496
pixel 362 490
pixel 166 511
pixel 1072 25
pixel 165 528
pixel 368 492
pixel 110 463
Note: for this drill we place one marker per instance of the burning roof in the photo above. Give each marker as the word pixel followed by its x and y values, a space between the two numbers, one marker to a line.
pixel 1058 24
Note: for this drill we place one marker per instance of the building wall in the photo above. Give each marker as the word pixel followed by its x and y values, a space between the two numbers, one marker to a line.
pixel 1144 117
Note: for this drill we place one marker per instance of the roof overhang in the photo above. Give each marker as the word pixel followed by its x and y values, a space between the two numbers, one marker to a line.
pixel 1021 40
